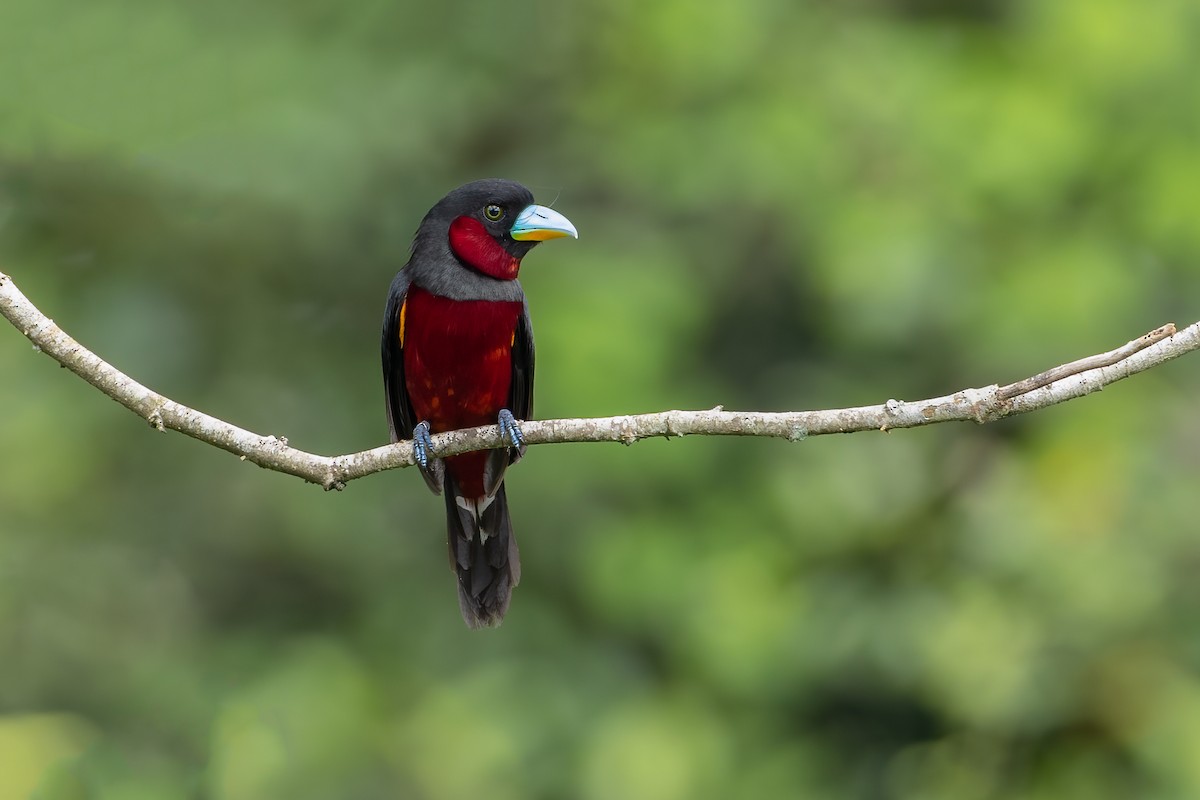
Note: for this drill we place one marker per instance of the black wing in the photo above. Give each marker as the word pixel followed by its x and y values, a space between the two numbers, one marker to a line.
pixel 520 390
pixel 520 401
pixel 400 415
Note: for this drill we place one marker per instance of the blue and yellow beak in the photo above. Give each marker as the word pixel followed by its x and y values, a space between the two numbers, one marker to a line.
pixel 538 223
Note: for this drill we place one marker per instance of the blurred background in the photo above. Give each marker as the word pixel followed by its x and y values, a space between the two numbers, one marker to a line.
pixel 782 205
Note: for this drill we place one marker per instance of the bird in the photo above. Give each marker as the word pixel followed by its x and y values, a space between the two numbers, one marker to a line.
pixel 457 349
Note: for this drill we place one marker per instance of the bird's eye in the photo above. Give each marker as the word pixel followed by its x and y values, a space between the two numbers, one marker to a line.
pixel 493 212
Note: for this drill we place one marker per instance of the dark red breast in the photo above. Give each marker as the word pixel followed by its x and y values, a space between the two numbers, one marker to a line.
pixel 458 367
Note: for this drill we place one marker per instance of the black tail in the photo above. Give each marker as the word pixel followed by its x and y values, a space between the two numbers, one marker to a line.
pixel 483 553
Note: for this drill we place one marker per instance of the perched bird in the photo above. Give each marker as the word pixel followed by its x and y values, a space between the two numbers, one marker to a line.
pixel 458 353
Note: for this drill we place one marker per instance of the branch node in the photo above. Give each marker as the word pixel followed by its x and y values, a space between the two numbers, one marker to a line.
pixel 272 442
pixel 892 407
pixel 628 431
pixel 335 475
pixel 1161 333
pixel 979 402
pixel 673 424
pixel 155 418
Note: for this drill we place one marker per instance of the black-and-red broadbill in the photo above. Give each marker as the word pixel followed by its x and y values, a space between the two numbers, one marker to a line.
pixel 458 353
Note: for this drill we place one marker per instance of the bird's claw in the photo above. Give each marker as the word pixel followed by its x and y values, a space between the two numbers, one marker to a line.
pixel 422 444
pixel 510 431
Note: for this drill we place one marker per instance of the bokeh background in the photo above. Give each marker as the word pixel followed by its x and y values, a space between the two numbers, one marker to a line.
pixel 782 205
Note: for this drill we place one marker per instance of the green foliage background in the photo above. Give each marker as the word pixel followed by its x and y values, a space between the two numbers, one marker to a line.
pixel 782 205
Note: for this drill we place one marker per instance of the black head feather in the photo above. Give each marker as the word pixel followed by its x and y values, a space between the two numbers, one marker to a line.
pixel 433 265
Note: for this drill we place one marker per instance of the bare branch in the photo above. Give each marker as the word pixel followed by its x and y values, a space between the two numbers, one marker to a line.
pixel 1084 364
pixel 986 404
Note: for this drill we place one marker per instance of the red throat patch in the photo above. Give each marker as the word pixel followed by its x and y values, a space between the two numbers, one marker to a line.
pixel 471 242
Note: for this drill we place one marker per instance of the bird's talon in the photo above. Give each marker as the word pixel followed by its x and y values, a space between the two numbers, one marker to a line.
pixel 509 430
pixel 422 444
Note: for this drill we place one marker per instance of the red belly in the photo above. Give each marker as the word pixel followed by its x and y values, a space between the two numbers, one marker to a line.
pixel 458 367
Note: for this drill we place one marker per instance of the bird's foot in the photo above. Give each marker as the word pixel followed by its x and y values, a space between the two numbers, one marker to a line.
pixel 510 431
pixel 422 444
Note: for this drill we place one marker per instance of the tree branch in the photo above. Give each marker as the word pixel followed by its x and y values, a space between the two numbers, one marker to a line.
pixel 986 404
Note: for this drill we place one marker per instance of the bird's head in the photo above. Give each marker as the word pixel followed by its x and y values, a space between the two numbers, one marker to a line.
pixel 487 226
